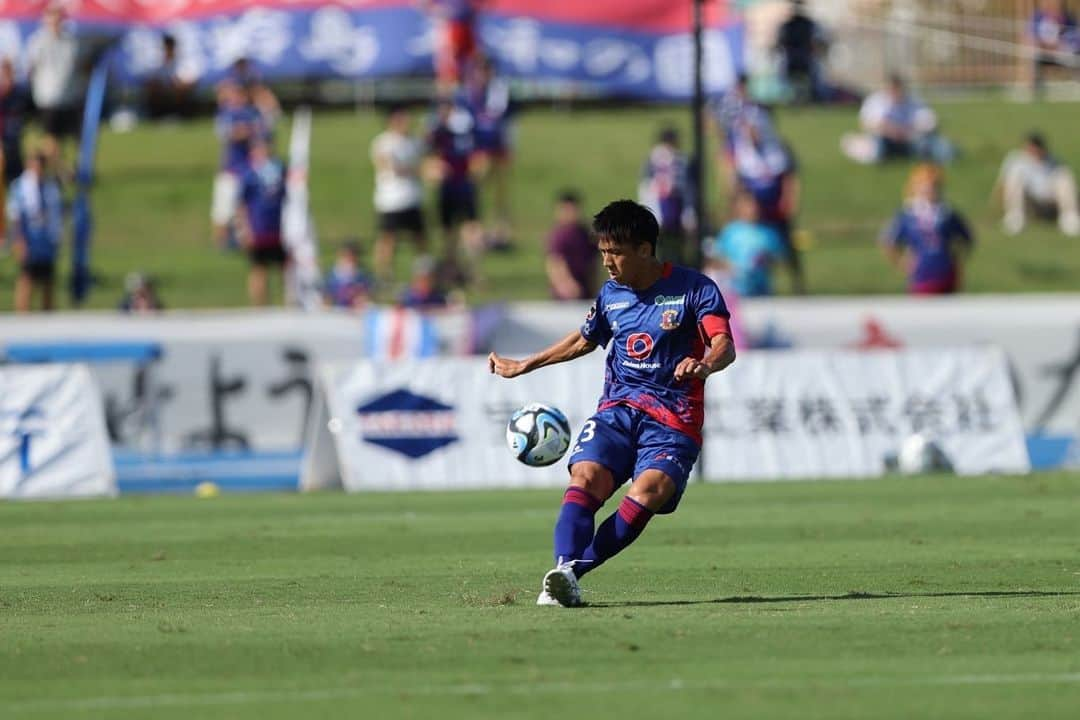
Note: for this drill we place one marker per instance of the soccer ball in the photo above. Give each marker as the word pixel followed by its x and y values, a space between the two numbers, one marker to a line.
pixel 919 454
pixel 538 434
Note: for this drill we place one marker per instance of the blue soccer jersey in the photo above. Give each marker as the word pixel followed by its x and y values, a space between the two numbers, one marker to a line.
pixel 652 331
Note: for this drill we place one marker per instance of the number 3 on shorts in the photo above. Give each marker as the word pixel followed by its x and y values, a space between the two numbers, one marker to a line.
pixel 588 432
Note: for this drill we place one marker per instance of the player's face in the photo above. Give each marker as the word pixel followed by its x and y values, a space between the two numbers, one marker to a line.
pixel 624 263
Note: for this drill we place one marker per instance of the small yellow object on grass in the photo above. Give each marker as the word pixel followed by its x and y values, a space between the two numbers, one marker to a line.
pixel 207 490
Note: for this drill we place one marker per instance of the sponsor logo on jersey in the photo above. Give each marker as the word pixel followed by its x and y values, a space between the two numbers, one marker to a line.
pixel 617 306
pixel 406 423
pixel 669 319
pixel 670 299
pixel 639 345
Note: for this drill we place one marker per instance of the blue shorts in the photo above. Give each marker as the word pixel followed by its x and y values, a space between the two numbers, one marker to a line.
pixel 628 442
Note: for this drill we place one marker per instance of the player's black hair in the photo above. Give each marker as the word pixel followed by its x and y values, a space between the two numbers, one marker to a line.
pixel 1037 139
pixel 627 223
pixel 571 197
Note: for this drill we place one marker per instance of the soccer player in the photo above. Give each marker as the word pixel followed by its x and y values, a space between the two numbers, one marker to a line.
pixel 668 329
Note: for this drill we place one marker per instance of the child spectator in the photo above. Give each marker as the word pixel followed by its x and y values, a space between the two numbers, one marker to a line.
pixel 665 189
pixel 746 250
pixel 347 285
pixel 927 239
pixel 263 194
pixel 572 256
pixel 423 292
pixel 1032 177
pixel 35 212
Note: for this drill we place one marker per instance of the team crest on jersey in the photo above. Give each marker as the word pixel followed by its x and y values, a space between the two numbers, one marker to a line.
pixel 669 319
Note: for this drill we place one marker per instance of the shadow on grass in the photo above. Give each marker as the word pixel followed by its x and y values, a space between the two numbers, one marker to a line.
pixel 855 595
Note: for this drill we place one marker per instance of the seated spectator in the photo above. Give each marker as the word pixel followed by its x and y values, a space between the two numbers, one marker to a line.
pixel 1053 37
pixel 927 239
pixel 572 257
pixel 423 292
pixel 765 167
pixel 745 250
pixel 36 214
pixel 896 124
pixel 1033 178
pixel 666 190
pixel 140 296
pixel 347 285
pixel 263 196
pixel 169 89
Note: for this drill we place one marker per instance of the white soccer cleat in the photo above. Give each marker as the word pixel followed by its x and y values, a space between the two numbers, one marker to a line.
pixel 561 585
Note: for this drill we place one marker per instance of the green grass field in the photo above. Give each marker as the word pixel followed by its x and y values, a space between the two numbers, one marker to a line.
pixel 899 598
pixel 152 201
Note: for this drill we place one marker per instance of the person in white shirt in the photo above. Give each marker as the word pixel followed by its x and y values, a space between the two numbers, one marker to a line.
pixel 1031 178
pixel 896 124
pixel 399 195
pixel 55 82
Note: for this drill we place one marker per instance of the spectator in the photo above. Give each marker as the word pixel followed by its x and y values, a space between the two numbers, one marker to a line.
pixel 455 38
pixel 451 143
pixel 727 112
pixel 927 239
pixel 169 88
pixel 1032 177
pixel 263 194
pixel 487 98
pixel 1054 39
pixel 35 211
pixel 347 285
pixel 423 292
pixel 746 250
pixel 572 256
pixel 896 124
pixel 765 167
pixel 237 124
pixel 399 195
pixel 802 42
pixel 14 107
pixel 666 190
pixel 53 54
pixel 140 296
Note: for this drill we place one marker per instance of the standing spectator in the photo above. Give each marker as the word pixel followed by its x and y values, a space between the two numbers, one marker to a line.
pixel 14 108
pixel 765 167
pixel 347 285
pixel 263 193
pixel 896 125
pixel 238 123
pixel 802 42
pixel 455 38
pixel 169 88
pixel 451 142
pixel 727 113
pixel 399 196
pixel 53 54
pixel 572 256
pixel 746 250
pixel 1032 177
pixel 1054 39
pixel 424 291
pixel 665 189
pixel 927 239
pixel 35 211
pixel 487 98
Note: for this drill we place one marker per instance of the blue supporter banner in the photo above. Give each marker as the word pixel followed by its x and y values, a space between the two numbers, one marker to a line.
pixel 634 48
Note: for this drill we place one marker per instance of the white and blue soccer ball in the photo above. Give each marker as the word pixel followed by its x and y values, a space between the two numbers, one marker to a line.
pixel 538 434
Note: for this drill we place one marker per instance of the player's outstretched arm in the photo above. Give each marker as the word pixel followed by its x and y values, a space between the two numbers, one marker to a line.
pixel 721 354
pixel 570 347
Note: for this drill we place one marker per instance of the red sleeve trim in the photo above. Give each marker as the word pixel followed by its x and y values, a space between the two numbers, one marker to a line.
pixel 714 325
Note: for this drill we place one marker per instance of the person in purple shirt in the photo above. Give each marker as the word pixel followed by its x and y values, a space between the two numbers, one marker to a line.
pixel 668 330
pixel 450 141
pixel 927 238
pixel 263 194
pixel 571 254
pixel 1054 38
pixel 237 124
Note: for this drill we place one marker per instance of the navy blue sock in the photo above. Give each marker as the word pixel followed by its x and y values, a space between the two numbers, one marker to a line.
pixel 574 528
pixel 614 535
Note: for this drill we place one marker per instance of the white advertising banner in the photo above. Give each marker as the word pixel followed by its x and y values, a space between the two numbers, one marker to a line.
pixel 818 414
pixel 441 423
pixel 53 442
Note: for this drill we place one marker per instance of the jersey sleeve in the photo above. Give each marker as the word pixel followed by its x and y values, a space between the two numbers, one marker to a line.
pixel 595 329
pixel 706 300
pixel 892 235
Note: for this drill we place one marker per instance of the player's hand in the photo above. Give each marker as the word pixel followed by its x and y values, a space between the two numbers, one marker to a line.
pixel 505 367
pixel 691 368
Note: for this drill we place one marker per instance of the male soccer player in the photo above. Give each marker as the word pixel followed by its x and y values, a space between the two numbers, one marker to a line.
pixel 668 328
